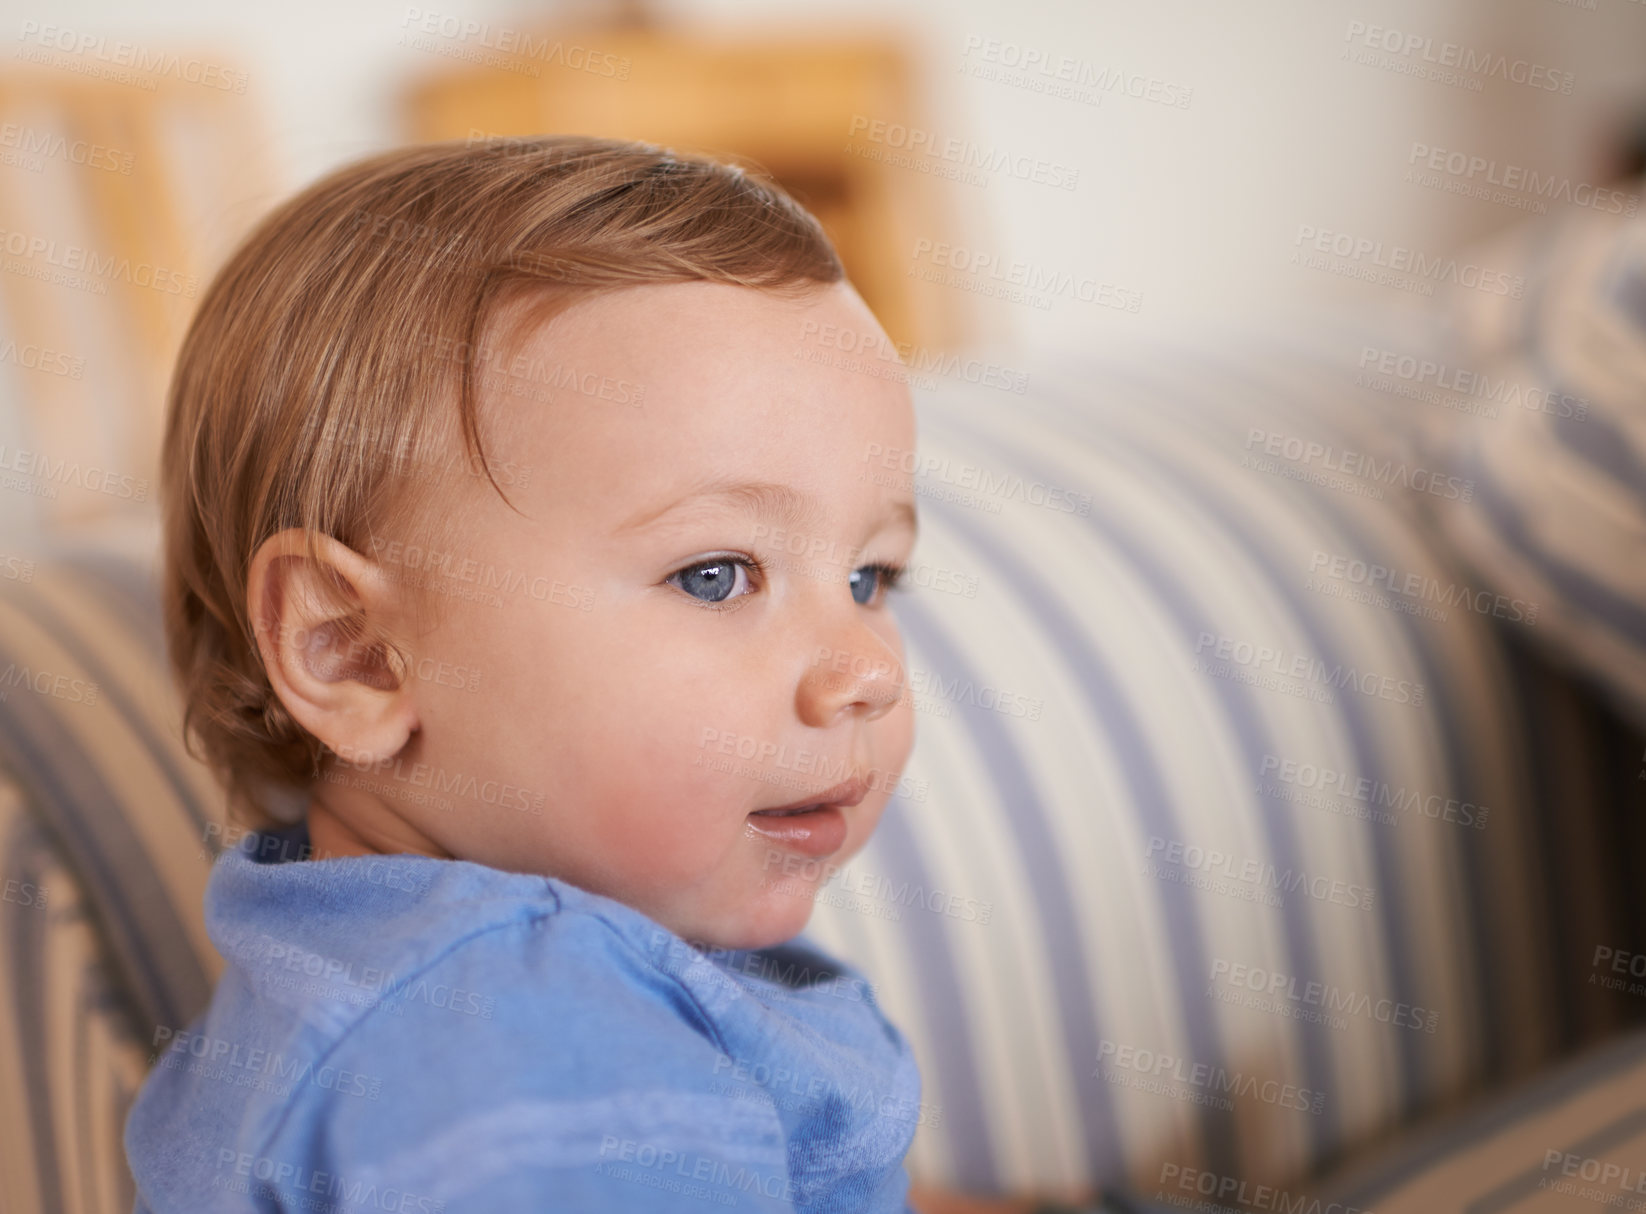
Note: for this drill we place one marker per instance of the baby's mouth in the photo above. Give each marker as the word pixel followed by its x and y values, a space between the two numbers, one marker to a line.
pixel 817 828
pixel 813 830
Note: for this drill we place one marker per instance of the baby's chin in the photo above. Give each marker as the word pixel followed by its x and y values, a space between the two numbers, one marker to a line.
pixel 768 918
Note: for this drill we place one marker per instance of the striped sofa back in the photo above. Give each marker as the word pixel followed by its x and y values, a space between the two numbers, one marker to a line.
pixel 1181 743
pixel 1208 855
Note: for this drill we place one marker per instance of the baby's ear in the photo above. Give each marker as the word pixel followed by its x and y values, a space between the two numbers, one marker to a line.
pixel 323 615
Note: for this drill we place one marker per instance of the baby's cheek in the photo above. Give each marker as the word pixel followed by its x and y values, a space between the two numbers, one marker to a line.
pixel 666 843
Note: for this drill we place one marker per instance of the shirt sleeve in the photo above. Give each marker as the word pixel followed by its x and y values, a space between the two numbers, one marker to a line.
pixel 532 1073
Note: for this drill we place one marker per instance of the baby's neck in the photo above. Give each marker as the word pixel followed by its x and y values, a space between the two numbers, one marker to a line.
pixel 332 837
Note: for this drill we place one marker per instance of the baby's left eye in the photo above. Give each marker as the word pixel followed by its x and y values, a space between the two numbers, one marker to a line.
pixel 878 576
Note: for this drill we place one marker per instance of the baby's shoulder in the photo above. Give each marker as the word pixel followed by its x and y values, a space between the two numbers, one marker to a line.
pixel 537 997
pixel 555 1046
pixel 566 961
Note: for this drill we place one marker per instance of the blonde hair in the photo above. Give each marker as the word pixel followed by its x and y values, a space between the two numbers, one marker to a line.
pixel 321 358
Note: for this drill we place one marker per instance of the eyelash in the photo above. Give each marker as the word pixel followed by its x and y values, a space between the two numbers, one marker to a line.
pixel 890 579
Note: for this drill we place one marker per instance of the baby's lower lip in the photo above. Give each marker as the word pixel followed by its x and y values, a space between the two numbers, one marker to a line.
pixel 817 832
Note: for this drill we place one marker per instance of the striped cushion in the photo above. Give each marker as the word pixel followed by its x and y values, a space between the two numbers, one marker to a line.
pixel 1101 558
pixel 1574 1139
pixel 70 1062
pixel 1560 515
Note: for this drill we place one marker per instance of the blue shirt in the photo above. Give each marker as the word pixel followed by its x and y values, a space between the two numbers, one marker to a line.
pixel 402 1033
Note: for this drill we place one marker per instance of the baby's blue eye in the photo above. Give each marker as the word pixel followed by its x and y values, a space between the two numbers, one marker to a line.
pixel 863 587
pixel 712 581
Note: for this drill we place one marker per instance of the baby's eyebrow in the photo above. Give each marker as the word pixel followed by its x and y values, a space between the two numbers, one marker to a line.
pixel 769 500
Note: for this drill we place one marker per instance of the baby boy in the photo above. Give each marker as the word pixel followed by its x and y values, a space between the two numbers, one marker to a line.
pixel 520 518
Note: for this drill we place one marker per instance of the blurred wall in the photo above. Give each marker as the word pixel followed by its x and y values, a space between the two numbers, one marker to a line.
pixel 1251 121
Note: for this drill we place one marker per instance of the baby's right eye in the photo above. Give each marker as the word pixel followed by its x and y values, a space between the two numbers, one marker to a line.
pixel 715 581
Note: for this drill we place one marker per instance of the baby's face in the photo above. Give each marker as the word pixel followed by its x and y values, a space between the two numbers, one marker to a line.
pixel 644 686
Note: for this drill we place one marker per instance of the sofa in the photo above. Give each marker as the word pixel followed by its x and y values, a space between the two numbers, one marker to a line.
pixel 1274 823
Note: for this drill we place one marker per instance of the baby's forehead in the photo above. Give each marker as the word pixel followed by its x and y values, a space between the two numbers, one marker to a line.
pixel 634 401
pixel 693 357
